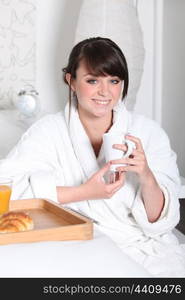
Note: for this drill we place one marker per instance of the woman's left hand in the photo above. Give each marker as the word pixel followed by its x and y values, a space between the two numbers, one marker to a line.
pixel 136 162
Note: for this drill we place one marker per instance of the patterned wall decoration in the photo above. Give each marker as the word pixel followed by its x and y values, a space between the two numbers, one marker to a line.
pixel 17 48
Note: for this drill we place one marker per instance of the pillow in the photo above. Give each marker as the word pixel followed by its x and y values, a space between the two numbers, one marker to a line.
pixel 11 129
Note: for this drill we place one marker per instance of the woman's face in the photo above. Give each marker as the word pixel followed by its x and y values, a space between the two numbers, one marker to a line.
pixel 96 95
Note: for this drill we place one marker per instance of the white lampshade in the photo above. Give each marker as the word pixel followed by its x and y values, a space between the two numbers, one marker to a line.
pixel 117 20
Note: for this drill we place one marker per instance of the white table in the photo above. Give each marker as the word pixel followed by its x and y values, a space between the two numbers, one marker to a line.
pixel 98 257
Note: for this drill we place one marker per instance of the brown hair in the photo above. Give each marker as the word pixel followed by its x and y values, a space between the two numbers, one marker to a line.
pixel 102 57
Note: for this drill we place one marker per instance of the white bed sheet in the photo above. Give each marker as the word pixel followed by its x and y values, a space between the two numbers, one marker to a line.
pixel 98 257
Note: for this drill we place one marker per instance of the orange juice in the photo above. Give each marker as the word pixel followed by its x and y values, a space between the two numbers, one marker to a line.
pixel 5 193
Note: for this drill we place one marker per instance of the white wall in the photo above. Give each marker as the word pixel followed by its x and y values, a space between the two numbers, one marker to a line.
pixel 173 93
pixel 162 92
pixel 144 103
pixel 56 21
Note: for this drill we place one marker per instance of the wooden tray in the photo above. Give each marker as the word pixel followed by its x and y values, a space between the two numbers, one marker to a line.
pixel 51 223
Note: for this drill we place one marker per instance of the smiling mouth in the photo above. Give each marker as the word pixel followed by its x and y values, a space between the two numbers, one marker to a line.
pixel 102 102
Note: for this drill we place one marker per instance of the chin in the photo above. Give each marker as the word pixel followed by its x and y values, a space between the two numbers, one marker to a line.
pixel 102 113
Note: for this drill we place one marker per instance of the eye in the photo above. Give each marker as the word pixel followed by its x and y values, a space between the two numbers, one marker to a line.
pixel 92 81
pixel 115 81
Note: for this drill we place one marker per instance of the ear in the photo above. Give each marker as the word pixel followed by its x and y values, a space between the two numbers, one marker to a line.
pixel 70 81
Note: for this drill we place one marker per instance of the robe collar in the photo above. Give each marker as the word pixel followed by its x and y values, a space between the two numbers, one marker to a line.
pixel 81 142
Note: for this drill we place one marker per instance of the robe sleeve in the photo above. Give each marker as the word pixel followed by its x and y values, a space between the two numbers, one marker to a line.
pixel 162 161
pixel 31 164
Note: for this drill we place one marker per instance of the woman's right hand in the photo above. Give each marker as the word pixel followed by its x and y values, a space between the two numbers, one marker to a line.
pixel 96 188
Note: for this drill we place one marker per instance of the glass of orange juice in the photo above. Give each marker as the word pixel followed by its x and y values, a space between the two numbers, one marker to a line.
pixel 5 194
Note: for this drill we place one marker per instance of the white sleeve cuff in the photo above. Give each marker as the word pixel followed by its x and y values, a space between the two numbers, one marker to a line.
pixel 166 202
pixel 162 224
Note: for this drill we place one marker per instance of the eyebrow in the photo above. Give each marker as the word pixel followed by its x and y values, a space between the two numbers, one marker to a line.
pixel 88 74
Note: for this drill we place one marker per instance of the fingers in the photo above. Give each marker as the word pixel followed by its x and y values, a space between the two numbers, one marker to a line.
pixel 136 140
pixel 118 183
pixel 132 138
pixel 127 160
pixel 136 155
pixel 128 168
pixel 104 169
pixel 122 147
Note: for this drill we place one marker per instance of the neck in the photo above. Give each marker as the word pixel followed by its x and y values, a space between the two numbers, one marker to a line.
pixel 95 127
pixel 99 125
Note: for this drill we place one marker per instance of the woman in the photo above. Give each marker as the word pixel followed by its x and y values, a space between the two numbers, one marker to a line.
pixel 61 157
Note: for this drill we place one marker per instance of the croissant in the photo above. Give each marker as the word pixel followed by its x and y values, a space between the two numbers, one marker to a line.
pixel 15 222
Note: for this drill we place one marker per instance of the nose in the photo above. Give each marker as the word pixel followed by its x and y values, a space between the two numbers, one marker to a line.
pixel 103 89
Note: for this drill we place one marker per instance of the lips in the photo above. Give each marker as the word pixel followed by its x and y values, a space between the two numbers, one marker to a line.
pixel 101 102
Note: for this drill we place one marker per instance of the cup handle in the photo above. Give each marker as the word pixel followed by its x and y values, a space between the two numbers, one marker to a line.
pixel 131 146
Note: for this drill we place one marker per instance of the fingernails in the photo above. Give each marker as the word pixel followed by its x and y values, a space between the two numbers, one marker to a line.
pixel 118 169
pixel 116 146
pixel 128 134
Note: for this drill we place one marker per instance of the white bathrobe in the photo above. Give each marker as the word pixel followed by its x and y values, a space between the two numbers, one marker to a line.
pixel 55 152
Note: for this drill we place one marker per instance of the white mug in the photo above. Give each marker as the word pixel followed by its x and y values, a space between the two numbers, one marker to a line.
pixel 111 138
